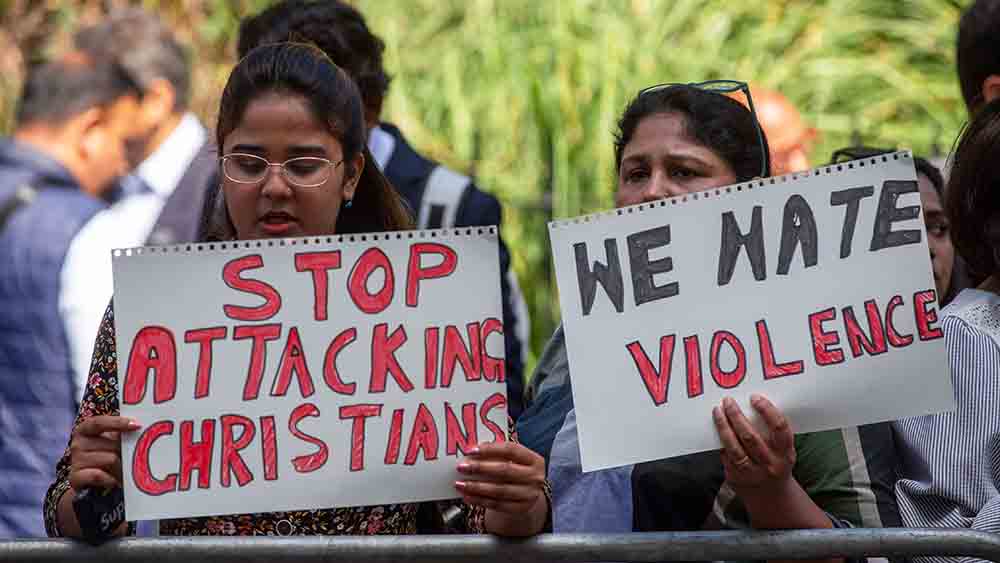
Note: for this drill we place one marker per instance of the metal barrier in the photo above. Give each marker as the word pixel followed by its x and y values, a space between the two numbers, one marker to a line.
pixel 563 548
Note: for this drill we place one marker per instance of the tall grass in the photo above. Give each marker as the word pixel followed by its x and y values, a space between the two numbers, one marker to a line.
pixel 525 93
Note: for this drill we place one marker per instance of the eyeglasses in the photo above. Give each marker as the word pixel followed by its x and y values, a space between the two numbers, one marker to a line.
pixel 302 172
pixel 723 87
pixel 857 153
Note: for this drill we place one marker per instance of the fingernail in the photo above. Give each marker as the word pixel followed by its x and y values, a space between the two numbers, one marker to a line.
pixel 461 485
pixel 473 451
pixel 134 424
pixel 728 402
pixel 716 412
pixel 465 467
pixel 755 398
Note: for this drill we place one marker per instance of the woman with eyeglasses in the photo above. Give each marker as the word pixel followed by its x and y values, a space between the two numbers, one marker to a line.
pixel 291 132
pixel 950 470
pixel 674 140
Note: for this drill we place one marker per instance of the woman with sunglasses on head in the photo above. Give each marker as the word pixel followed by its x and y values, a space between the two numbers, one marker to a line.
pixel 291 131
pixel 950 470
pixel 675 140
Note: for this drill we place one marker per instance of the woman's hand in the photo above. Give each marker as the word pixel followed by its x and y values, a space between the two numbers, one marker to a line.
pixel 753 463
pixel 508 480
pixel 760 470
pixel 96 452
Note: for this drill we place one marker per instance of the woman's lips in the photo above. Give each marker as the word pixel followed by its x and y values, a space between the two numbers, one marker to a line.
pixel 276 224
pixel 275 228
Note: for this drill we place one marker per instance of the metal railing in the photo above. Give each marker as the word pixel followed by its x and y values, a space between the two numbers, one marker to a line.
pixel 563 548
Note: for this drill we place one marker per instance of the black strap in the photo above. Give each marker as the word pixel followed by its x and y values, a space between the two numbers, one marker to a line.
pixel 24 195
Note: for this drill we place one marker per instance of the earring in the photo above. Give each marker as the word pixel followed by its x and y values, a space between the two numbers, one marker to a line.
pixel 348 204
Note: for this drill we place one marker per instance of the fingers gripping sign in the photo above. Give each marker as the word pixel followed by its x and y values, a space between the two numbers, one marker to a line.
pixel 503 476
pixel 95 452
pixel 752 461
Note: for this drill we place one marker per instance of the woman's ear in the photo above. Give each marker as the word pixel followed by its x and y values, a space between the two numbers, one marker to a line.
pixel 357 166
pixel 991 88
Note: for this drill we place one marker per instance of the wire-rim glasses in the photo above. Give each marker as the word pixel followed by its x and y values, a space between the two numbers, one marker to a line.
pixel 301 172
pixel 724 87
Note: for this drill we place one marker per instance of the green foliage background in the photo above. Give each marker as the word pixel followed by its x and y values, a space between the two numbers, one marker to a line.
pixel 525 93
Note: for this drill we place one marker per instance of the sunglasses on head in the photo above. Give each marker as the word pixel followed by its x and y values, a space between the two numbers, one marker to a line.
pixel 723 87
pixel 857 153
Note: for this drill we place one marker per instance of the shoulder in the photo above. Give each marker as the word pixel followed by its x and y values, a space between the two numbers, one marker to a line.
pixel 973 312
pixel 51 225
pixel 58 215
pixel 972 337
pixel 406 165
pixel 478 207
pixel 552 369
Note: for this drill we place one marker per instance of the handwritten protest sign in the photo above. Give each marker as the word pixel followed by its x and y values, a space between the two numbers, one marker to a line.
pixel 306 373
pixel 814 290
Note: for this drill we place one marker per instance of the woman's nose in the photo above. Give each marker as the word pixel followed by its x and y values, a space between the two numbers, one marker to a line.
pixel 660 187
pixel 275 185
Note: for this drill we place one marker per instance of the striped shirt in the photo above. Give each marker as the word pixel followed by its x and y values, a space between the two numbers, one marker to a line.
pixel 950 462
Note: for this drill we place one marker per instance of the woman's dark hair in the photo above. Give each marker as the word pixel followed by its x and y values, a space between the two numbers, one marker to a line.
pixel 336 28
pixel 296 69
pixel 973 193
pixel 976 53
pixel 717 122
pixel 932 173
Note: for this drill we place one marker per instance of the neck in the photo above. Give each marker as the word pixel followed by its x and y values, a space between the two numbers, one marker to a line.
pixel 164 130
pixel 41 138
pixel 46 140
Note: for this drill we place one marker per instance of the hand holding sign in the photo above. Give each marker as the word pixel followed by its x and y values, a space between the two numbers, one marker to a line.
pixel 750 460
pixel 309 373
pixel 511 477
pixel 509 481
pixel 776 286
pixel 96 452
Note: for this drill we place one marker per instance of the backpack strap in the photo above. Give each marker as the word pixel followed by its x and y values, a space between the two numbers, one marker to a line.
pixel 23 195
pixel 443 195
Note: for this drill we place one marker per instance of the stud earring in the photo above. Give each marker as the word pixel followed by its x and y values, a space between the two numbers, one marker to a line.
pixel 348 204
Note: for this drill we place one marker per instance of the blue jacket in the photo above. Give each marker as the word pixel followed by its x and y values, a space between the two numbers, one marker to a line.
pixel 37 395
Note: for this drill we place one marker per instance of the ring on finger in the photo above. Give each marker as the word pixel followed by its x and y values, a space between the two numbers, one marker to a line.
pixel 743 462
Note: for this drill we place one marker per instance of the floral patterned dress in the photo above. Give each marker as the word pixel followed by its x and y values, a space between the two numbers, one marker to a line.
pixel 101 398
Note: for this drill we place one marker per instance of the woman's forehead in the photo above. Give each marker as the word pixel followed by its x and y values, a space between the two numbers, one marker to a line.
pixel 278 121
pixel 666 133
pixel 928 193
pixel 279 109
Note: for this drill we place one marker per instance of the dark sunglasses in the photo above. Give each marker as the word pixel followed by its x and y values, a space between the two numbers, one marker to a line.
pixel 857 153
pixel 724 87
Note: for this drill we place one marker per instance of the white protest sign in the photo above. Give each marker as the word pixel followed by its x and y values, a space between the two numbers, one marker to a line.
pixel 306 373
pixel 813 289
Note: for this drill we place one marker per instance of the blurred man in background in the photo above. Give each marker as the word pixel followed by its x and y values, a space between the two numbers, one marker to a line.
pixel 73 122
pixel 440 197
pixel 174 166
pixel 788 136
